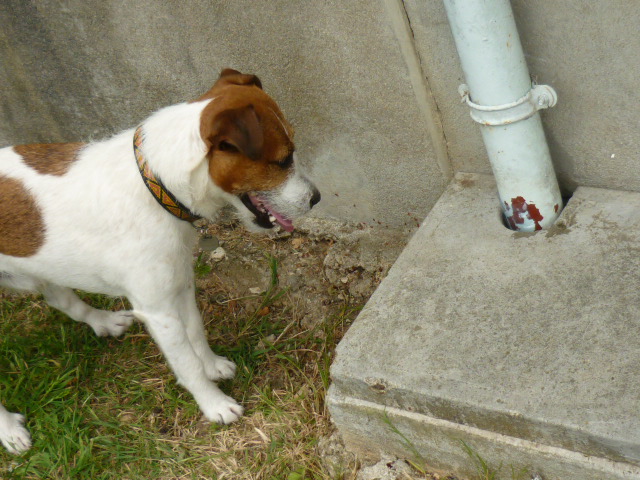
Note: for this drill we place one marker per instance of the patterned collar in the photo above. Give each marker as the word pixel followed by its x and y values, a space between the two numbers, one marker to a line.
pixel 163 196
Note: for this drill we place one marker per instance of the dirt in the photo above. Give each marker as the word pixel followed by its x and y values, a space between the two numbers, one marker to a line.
pixel 319 264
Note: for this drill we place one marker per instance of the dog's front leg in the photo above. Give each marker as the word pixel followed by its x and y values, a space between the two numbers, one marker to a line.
pixel 215 366
pixel 170 333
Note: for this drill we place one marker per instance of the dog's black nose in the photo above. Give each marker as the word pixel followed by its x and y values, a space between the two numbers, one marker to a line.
pixel 315 198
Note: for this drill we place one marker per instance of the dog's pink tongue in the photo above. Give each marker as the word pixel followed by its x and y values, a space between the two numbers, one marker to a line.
pixel 285 223
pixel 262 204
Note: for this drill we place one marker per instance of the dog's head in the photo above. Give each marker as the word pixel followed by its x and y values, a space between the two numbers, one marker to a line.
pixel 251 154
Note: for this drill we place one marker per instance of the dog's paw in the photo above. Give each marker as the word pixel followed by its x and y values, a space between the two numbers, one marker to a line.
pixel 13 435
pixel 111 324
pixel 219 368
pixel 224 410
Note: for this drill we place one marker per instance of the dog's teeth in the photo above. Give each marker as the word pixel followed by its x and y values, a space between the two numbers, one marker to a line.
pixel 272 219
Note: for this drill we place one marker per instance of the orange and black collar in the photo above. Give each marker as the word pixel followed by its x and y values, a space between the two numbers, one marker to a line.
pixel 163 196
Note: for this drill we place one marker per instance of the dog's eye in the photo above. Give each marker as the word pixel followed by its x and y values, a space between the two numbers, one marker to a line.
pixel 225 146
pixel 287 162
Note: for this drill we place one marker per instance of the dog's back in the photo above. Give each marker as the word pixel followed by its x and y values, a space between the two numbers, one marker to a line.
pixel 66 206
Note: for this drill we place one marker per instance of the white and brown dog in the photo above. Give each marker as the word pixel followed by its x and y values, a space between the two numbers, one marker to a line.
pixel 114 217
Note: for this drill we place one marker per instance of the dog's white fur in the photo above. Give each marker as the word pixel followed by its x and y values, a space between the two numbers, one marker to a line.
pixel 105 233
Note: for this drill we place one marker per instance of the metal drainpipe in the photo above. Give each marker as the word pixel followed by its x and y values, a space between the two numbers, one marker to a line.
pixel 505 103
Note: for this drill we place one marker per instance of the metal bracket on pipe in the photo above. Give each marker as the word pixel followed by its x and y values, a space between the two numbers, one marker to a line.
pixel 538 98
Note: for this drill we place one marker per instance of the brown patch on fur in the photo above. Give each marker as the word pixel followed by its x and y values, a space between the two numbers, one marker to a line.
pixel 247 135
pixel 239 130
pixel 21 225
pixel 238 176
pixel 229 76
pixel 49 158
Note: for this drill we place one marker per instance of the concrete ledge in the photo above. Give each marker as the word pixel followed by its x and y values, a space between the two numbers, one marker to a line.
pixel 369 429
pixel 525 346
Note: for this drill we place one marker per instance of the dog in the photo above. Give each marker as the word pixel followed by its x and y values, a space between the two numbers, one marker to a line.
pixel 115 217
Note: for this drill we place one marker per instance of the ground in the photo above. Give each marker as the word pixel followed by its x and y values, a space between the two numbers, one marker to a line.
pixel 320 267
pixel 276 305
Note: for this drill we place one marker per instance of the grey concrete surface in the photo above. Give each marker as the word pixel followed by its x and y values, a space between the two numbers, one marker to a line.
pixel 75 69
pixel 526 346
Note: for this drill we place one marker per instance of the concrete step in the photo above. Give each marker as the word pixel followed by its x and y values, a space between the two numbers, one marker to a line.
pixel 524 346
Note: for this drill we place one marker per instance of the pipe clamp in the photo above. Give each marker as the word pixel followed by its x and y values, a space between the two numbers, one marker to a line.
pixel 538 98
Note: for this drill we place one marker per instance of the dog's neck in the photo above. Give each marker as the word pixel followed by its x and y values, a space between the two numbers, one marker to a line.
pixel 175 152
pixel 162 195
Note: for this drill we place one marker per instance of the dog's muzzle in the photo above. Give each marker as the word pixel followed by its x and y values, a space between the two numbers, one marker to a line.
pixel 282 206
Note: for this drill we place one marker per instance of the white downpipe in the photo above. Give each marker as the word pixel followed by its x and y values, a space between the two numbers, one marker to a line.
pixel 504 102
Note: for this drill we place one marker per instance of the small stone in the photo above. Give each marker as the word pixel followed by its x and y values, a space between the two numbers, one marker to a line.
pixel 255 290
pixel 218 254
pixel 335 458
pixel 386 469
pixel 208 244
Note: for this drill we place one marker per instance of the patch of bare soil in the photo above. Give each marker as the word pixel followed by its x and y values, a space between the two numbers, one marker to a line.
pixel 320 265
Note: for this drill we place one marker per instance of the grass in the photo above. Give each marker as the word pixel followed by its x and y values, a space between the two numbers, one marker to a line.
pixel 484 471
pixel 105 408
pixel 488 472
pixel 417 461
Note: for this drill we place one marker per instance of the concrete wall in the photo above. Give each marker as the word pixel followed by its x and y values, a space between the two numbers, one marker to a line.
pixel 370 85
pixel 588 51
pixel 78 69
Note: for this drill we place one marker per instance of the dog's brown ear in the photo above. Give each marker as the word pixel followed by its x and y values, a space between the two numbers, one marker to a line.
pixel 237 130
pixel 229 76
pixel 234 77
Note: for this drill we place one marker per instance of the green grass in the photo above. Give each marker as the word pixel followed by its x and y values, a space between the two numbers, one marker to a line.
pixel 105 408
pixel 417 461
pixel 485 471
pixel 57 373
pixel 201 268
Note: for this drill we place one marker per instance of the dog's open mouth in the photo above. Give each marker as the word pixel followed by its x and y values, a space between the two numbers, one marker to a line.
pixel 266 215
